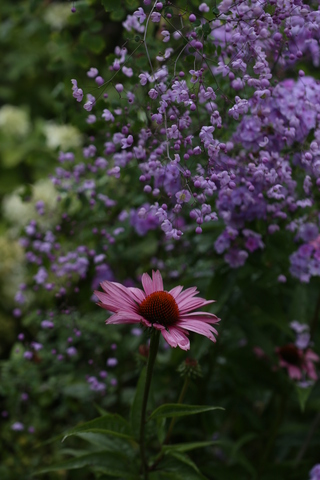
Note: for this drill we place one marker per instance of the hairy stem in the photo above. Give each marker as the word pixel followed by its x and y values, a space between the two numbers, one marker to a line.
pixel 154 343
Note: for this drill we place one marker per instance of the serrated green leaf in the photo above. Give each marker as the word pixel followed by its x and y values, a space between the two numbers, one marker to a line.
pixel 137 404
pixel 180 410
pixel 113 463
pixel 108 424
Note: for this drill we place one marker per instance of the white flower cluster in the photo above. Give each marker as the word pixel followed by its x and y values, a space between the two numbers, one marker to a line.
pixel 14 121
pixel 56 15
pixel 20 213
pixel 62 136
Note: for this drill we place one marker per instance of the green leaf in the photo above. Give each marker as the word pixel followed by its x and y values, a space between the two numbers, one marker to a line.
pixel 100 410
pixel 177 466
pixel 206 29
pixel 118 15
pixel 132 4
pixel 108 424
pixel 137 404
pixel 185 447
pixel 101 441
pixel 215 11
pixel 113 463
pixel 180 410
pixel 95 43
pixel 303 395
pixel 111 5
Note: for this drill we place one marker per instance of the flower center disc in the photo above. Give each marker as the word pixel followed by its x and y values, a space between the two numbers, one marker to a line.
pixel 290 354
pixel 160 307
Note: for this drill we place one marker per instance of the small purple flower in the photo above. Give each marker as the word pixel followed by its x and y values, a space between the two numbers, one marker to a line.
pixel 93 72
pixel 41 276
pixel 140 15
pixel 282 279
pixel 236 258
pixel 183 196
pixel 47 324
pixel 137 332
pixel 28 355
pixel 315 472
pixel 143 79
pixel 107 115
pixel 196 74
pixel 127 142
pixel 17 427
pixel 204 8
pixel 155 17
pixel 36 346
pixel 71 351
pixel 127 71
pixel 112 362
pixel 88 106
pixel 91 119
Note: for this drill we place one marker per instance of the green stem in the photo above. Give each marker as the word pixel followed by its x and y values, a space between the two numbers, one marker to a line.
pixel 273 434
pixel 173 421
pixel 154 343
pixel 180 400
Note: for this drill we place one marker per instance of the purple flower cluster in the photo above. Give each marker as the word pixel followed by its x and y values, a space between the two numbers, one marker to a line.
pixel 239 175
pixel 201 155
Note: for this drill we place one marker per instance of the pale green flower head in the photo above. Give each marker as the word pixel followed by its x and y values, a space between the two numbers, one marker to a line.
pixel 14 121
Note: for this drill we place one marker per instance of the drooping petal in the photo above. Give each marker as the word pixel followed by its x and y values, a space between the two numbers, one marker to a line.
pixel 123 317
pixel 200 327
pixel 176 337
pixel 311 371
pixel 200 316
pixel 191 303
pixel 294 372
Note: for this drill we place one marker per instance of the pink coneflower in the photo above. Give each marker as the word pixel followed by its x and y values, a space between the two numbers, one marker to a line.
pixel 170 312
pixel 297 361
